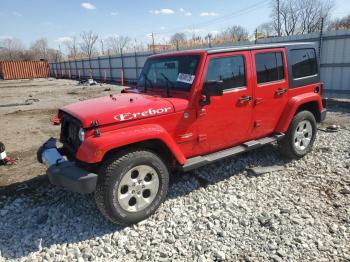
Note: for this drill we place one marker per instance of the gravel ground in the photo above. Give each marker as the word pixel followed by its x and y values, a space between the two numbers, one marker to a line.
pixel 217 213
pixel 23 128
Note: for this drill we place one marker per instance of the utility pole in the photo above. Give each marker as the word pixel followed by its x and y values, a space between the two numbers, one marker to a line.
pixel 59 52
pixel 278 18
pixel 154 50
pixel 102 48
pixel 209 36
pixel 321 39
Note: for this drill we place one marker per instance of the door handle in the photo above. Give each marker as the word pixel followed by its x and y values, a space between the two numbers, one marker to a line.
pixel 245 99
pixel 281 91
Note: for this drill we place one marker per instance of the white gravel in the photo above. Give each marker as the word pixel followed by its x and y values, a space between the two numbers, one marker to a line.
pixel 217 213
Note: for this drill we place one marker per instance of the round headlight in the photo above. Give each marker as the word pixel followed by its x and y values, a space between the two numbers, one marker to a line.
pixel 81 134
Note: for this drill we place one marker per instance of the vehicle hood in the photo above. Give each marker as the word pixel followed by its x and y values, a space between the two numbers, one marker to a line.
pixel 122 108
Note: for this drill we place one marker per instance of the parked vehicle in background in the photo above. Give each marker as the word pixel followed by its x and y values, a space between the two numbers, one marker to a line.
pixel 189 109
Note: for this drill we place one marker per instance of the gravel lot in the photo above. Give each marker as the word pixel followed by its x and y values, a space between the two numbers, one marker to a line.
pixel 25 127
pixel 216 213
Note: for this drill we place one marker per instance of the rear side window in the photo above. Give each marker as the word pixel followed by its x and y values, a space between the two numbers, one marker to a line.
pixel 269 67
pixel 304 62
pixel 230 70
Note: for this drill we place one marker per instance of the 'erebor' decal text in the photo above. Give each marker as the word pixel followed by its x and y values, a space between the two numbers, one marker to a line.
pixel 147 113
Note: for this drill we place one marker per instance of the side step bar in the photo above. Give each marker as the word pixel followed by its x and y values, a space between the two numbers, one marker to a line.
pixel 198 161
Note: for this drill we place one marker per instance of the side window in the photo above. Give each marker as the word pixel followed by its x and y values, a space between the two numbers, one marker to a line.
pixel 269 67
pixel 304 62
pixel 230 70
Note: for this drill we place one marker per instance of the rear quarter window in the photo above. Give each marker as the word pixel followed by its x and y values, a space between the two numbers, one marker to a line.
pixel 304 62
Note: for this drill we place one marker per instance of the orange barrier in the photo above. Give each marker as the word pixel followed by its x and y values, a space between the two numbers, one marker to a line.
pixel 24 69
pixel 121 78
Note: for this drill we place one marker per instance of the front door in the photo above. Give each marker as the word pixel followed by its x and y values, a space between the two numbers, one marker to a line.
pixel 271 89
pixel 226 121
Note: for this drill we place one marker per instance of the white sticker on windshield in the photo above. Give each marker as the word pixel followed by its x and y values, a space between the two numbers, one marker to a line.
pixel 185 78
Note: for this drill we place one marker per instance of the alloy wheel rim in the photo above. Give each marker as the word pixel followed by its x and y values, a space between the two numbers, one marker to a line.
pixel 303 135
pixel 138 188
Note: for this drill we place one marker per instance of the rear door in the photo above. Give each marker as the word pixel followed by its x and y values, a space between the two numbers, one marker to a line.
pixel 227 119
pixel 270 88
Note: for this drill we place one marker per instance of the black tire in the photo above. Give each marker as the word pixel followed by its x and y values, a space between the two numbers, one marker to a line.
pixel 287 145
pixel 111 175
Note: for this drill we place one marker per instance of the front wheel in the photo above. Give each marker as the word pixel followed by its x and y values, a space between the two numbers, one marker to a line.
pixel 300 136
pixel 131 186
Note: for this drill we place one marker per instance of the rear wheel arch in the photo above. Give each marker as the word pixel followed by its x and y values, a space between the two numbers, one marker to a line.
pixel 296 106
pixel 313 107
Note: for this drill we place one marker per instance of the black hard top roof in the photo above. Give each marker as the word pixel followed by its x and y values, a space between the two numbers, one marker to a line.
pixel 259 46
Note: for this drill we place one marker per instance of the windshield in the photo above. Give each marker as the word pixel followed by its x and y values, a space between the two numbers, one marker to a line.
pixel 176 72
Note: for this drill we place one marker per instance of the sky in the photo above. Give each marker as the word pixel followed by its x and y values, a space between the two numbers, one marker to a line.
pixel 60 20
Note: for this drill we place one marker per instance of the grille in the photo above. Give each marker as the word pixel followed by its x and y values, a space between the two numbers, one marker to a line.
pixel 70 133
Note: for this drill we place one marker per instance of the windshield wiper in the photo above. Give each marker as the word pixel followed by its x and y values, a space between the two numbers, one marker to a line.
pixel 147 80
pixel 167 84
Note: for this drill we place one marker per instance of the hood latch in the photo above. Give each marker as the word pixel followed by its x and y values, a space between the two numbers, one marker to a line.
pixel 94 125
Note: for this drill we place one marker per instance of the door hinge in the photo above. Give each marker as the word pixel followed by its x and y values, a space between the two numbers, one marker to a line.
pixel 258 100
pixel 257 123
pixel 185 138
pixel 202 112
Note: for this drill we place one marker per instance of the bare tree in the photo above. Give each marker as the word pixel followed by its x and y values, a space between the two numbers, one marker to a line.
pixel 72 47
pixel 300 16
pixel 340 23
pixel 235 33
pixel 12 49
pixel 311 12
pixel 88 43
pixel 289 15
pixel 116 44
pixel 138 46
pixel 266 29
pixel 40 49
pixel 177 38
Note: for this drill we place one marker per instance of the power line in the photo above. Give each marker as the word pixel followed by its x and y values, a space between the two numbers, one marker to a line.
pixel 221 18
pixel 216 20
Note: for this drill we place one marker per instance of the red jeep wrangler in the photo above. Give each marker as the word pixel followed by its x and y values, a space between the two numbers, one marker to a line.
pixel 189 109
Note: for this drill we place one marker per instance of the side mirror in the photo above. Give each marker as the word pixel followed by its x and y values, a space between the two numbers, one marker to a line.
pixel 212 88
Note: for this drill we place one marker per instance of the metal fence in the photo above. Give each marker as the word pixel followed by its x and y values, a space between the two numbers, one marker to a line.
pixel 334 49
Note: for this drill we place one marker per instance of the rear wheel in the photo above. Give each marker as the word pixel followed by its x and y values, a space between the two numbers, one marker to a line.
pixel 131 186
pixel 300 136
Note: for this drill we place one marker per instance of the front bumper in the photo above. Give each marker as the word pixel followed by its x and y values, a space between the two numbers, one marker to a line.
pixel 65 173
